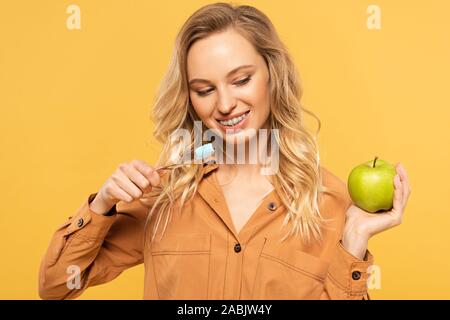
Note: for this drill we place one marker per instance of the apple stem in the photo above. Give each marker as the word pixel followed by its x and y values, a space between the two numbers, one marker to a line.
pixel 374 161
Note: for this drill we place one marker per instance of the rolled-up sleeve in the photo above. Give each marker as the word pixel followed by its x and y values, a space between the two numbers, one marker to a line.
pixel 90 249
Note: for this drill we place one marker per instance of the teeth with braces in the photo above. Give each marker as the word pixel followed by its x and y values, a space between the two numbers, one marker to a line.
pixel 233 121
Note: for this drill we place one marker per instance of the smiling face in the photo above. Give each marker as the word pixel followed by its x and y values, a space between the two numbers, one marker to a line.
pixel 229 85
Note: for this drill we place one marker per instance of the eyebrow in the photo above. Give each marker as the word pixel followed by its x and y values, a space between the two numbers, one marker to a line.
pixel 228 74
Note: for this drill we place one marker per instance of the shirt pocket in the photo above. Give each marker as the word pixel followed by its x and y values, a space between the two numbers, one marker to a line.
pixel 285 272
pixel 181 265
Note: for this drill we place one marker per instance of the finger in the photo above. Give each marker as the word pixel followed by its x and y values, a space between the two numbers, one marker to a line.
pixel 120 194
pixel 144 168
pixel 398 195
pixel 149 172
pixel 405 183
pixel 137 177
pixel 155 179
pixel 127 185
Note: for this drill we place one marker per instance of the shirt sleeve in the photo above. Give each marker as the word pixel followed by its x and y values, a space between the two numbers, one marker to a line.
pixel 89 249
pixel 347 276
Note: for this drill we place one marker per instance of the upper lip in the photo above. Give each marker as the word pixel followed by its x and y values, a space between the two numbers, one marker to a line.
pixel 232 116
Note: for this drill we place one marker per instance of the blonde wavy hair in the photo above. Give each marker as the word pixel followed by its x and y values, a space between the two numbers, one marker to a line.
pixel 298 180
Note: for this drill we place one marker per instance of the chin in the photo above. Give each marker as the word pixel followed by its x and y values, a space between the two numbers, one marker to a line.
pixel 242 136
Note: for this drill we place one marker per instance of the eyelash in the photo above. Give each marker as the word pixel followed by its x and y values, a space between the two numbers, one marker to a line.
pixel 240 83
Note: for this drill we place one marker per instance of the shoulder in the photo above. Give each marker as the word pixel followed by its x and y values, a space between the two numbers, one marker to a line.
pixel 336 202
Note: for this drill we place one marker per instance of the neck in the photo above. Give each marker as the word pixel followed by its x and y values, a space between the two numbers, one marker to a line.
pixel 245 158
pixel 244 162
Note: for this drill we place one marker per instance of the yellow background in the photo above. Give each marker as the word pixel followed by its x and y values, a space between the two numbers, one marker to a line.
pixel 76 103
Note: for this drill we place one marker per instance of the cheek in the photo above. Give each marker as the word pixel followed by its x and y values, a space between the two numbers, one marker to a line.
pixel 202 107
pixel 258 96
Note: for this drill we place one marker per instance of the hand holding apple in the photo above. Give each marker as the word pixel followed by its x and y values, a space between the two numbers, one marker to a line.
pixel 361 225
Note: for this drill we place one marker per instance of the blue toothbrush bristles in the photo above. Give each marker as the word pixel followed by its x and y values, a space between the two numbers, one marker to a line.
pixel 204 152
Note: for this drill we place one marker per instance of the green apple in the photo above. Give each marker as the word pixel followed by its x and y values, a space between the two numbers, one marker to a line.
pixel 371 185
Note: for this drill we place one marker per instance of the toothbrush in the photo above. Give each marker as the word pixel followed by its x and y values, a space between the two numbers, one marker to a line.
pixel 205 153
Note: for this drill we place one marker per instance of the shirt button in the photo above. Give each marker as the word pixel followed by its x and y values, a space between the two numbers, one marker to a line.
pixel 237 248
pixel 80 222
pixel 272 206
pixel 356 275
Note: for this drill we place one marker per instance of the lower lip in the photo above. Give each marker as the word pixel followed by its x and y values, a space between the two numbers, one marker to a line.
pixel 239 125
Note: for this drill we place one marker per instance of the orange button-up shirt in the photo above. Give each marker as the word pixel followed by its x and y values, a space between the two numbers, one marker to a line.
pixel 201 256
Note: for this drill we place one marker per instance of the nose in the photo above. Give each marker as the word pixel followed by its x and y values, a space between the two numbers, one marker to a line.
pixel 226 102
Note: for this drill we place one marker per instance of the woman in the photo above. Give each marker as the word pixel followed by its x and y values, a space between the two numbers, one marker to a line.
pixel 219 225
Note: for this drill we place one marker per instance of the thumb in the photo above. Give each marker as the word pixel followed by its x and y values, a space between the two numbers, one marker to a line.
pixel 154 178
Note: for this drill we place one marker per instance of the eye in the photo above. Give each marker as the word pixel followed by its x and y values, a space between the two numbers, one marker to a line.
pixel 243 81
pixel 203 92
